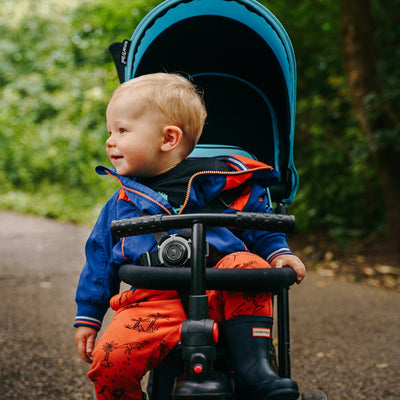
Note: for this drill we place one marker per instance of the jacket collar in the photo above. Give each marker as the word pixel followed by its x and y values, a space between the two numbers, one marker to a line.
pixel 203 187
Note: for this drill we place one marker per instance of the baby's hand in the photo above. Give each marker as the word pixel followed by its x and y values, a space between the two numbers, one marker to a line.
pixel 84 339
pixel 289 260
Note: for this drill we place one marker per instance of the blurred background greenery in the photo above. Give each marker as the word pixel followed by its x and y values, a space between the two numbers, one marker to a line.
pixel 56 76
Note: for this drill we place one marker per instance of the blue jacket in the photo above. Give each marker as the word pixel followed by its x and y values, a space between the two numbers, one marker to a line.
pixel 99 279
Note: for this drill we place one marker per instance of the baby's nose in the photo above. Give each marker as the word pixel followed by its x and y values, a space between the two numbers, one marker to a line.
pixel 110 141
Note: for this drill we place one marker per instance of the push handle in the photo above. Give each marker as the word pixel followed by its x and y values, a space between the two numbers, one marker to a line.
pixel 240 220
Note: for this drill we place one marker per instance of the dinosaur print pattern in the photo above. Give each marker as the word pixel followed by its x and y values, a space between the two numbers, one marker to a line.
pixel 146 327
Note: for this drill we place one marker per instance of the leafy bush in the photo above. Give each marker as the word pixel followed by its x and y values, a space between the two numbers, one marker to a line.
pixel 339 189
pixel 56 77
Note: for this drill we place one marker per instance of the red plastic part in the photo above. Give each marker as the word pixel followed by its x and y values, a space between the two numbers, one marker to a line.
pixel 198 369
pixel 215 332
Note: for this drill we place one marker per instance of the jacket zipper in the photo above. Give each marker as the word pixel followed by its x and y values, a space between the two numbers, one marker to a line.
pixel 140 193
pixel 216 173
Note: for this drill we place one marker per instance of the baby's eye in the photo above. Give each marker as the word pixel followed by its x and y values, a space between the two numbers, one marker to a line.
pixel 122 130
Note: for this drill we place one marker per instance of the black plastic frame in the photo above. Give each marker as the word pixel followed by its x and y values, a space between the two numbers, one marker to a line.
pixel 213 383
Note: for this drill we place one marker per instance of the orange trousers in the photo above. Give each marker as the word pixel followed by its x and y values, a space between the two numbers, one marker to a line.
pixel 146 327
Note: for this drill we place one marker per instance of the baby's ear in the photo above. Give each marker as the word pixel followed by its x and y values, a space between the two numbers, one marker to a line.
pixel 172 137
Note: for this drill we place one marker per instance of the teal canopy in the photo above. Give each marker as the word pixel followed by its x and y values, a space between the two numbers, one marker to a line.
pixel 241 56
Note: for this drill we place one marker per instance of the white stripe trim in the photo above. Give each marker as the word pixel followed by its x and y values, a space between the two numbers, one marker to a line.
pixel 284 249
pixel 87 318
pixel 233 160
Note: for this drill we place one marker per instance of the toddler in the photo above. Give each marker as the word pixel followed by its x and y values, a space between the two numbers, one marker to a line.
pixel 154 122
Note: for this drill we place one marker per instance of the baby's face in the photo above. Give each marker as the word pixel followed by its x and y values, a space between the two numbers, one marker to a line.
pixel 135 136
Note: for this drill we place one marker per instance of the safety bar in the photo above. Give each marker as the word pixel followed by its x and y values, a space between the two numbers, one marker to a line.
pixel 176 278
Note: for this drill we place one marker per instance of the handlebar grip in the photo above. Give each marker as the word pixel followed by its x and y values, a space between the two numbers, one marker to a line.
pixel 137 226
pixel 260 221
pixel 240 220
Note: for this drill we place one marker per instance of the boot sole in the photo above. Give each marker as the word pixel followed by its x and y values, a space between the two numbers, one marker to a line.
pixel 283 394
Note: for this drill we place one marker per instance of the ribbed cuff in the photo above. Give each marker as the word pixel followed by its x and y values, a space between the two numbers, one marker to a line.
pixel 90 315
pixel 87 321
pixel 278 253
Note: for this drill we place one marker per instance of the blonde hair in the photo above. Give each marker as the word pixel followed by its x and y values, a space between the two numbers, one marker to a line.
pixel 179 102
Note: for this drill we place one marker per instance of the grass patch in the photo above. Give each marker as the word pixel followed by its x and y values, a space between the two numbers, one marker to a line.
pixel 73 205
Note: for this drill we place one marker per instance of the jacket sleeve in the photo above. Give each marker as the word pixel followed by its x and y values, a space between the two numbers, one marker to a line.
pixel 267 245
pixel 99 279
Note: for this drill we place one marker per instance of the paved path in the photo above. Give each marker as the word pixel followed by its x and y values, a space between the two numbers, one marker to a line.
pixel 345 337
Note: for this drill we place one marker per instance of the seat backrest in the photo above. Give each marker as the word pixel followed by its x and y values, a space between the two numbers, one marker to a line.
pixel 215 150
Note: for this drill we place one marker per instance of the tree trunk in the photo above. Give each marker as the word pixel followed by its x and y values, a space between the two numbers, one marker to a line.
pixel 360 67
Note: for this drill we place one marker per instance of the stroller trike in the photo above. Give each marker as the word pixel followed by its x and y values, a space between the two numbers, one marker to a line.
pixel 242 58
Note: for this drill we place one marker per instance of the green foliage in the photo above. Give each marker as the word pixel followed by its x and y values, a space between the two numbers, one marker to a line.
pixel 339 189
pixel 387 33
pixel 56 77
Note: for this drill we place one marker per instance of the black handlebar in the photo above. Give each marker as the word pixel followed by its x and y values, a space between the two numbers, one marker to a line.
pixel 240 220
pixel 248 280
pixel 265 279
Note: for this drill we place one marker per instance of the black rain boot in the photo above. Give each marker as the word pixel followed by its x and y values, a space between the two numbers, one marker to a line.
pixel 248 341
